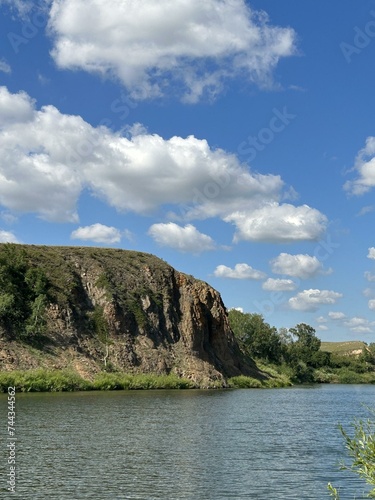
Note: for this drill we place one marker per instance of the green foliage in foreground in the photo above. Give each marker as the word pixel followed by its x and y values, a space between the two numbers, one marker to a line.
pixel 64 380
pixel 361 450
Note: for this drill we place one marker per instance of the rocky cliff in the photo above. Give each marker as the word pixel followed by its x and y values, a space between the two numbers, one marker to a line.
pixel 94 309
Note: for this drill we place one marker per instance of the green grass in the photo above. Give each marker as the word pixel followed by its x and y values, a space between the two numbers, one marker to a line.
pixel 43 381
pixel 343 375
pixel 275 380
pixel 118 381
pixel 63 380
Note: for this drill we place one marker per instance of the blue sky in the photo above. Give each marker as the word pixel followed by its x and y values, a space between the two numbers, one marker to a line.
pixel 233 139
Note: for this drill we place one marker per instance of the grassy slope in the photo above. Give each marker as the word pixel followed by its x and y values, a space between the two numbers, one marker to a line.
pixel 343 348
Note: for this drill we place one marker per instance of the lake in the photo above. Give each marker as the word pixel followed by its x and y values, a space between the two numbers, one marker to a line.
pixel 226 444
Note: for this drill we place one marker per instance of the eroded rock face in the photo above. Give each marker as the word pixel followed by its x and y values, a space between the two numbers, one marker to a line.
pixel 130 312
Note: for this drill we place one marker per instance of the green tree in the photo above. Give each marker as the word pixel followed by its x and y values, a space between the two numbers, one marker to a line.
pixel 306 337
pixel 259 339
pixel 303 353
pixel 306 346
pixel 23 296
pixel 36 323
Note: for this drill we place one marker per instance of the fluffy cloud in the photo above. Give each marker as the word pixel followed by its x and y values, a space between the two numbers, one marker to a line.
pixel 371 304
pixel 365 167
pixel 311 300
pixel 48 158
pixel 336 315
pixel 35 174
pixel 274 222
pixel 299 266
pixel 323 327
pixel 148 45
pixel 15 108
pixel 371 253
pixel 240 272
pixel 279 285
pixel 4 67
pixel 97 233
pixel 7 237
pixel 359 325
pixel 184 239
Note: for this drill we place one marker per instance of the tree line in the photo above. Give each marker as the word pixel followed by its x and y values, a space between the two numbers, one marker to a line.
pixel 296 351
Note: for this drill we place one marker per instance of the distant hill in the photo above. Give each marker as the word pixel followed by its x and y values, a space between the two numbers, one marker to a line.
pixel 350 348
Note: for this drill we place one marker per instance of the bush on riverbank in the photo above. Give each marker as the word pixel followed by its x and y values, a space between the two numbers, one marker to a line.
pixel 42 381
pixel 275 380
pixel 118 381
pixel 63 380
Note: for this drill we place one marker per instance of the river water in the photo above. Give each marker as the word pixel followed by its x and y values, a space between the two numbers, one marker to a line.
pixel 190 445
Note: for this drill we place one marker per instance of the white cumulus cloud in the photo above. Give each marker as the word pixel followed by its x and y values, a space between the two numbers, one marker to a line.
pixel 312 299
pixel 47 158
pixel 275 223
pixel 150 45
pixel 365 168
pixel 7 237
pixel 299 266
pixel 371 304
pixel 359 325
pixel 15 108
pixel 336 315
pixel 371 253
pixel 184 239
pixel 279 285
pixel 240 272
pixel 99 233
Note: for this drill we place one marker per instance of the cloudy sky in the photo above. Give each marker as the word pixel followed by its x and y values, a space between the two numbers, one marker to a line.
pixel 235 139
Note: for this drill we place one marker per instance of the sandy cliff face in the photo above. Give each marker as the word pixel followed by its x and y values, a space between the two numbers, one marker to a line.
pixel 131 312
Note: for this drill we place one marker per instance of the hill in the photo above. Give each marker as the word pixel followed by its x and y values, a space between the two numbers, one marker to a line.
pixel 350 348
pixel 94 309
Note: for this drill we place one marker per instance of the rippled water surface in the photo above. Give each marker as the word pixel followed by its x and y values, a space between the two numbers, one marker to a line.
pixel 196 445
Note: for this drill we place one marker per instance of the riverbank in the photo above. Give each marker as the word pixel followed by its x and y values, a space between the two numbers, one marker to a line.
pixel 42 380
